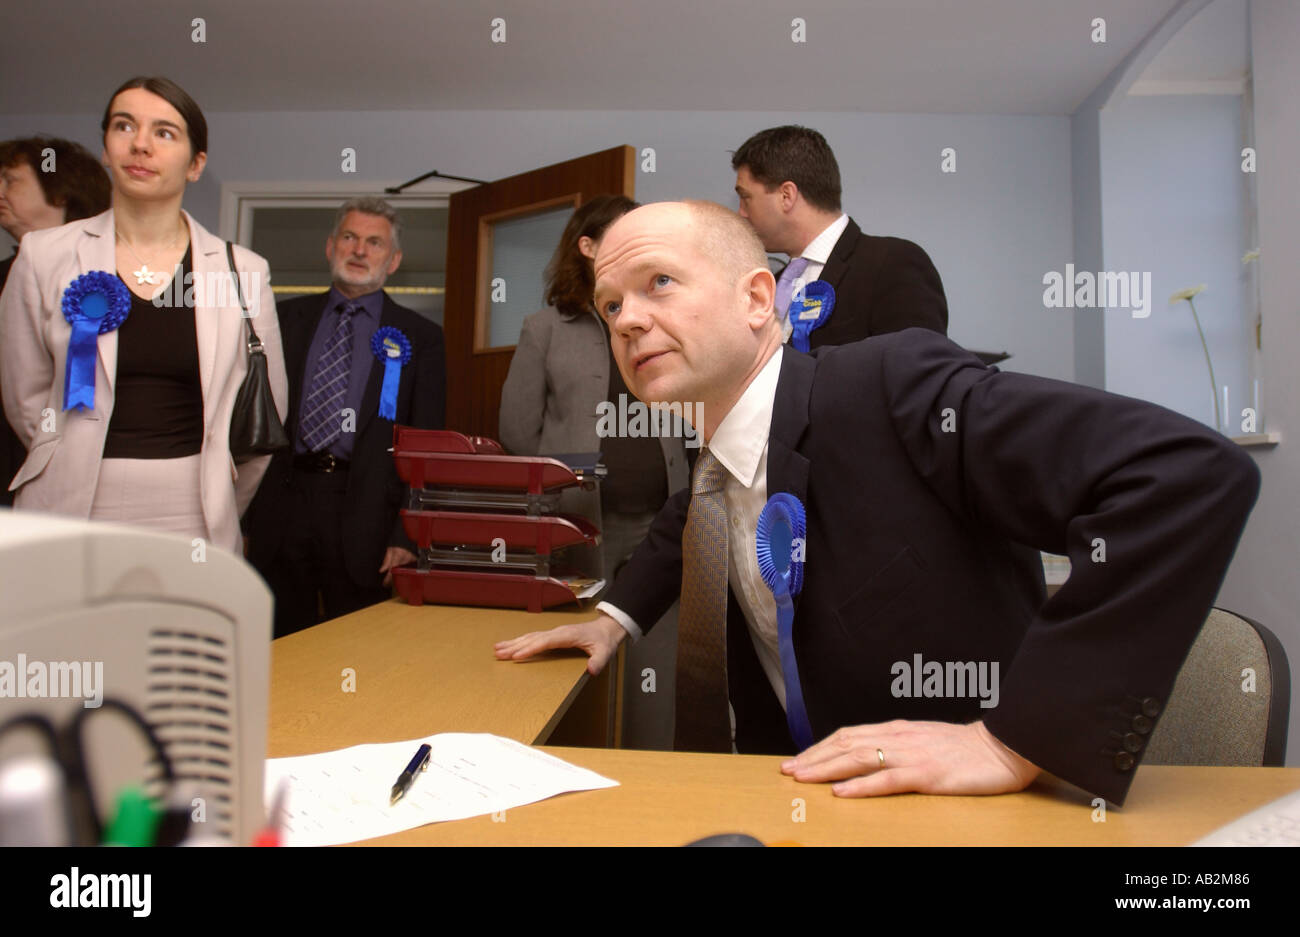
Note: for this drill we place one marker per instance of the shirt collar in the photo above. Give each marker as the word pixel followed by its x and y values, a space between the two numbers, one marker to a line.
pixel 370 303
pixel 819 248
pixel 741 438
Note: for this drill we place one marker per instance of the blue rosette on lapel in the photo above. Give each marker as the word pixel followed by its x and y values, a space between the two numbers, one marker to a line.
pixel 393 349
pixel 781 547
pixel 809 310
pixel 94 303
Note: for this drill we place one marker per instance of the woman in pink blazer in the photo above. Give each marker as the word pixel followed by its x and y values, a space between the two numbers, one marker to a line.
pixel 120 382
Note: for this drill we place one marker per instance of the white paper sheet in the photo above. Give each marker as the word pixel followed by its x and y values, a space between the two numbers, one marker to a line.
pixel 342 796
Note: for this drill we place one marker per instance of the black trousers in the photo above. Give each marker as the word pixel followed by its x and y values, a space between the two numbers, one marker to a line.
pixel 308 576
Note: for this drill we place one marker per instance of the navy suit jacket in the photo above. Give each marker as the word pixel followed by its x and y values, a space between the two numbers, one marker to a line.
pixel 882 284
pixel 374 494
pixel 930 481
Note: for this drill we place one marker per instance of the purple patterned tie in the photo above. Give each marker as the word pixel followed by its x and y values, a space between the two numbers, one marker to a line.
pixel 785 286
pixel 321 421
pixel 703 720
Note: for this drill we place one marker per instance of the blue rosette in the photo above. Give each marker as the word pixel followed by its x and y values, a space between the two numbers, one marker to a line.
pixel 781 544
pixel 393 349
pixel 94 303
pixel 809 310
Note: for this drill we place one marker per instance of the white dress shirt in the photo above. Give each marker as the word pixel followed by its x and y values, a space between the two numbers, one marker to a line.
pixel 740 444
pixel 816 253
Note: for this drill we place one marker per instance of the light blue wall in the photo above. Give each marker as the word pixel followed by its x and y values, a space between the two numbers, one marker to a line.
pixel 992 228
pixel 1262 581
pixel 1173 205
pixel 1085 166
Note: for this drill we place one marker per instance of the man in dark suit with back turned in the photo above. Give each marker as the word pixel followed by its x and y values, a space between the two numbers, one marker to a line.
pixel 927 478
pixel 788 185
pixel 324 527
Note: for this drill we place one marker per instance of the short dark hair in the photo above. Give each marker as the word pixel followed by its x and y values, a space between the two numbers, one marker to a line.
pixel 78 183
pixel 797 154
pixel 196 126
pixel 570 281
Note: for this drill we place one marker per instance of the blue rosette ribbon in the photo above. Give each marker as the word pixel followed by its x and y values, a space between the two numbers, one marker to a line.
pixel 781 545
pixel 94 303
pixel 809 309
pixel 393 349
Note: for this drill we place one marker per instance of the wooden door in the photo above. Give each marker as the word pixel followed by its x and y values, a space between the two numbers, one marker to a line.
pixel 479 349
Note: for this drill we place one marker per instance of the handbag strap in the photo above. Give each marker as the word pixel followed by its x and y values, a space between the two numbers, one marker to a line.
pixel 253 340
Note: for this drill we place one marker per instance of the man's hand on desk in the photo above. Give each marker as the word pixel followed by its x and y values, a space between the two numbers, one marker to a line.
pixel 599 637
pixel 924 757
pixel 393 558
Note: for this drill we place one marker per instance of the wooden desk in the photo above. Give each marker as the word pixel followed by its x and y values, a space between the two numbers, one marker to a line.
pixel 418 671
pixel 668 799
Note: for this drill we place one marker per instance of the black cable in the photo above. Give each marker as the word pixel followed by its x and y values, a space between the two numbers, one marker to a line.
pixel 79 766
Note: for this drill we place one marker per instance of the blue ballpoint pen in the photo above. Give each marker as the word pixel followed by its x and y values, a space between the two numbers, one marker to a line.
pixel 404 781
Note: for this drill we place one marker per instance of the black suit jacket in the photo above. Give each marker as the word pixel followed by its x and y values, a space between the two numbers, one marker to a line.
pixel 12 453
pixel 923 473
pixel 882 284
pixel 375 494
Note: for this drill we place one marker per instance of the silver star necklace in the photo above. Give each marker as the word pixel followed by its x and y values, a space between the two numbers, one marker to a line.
pixel 144 274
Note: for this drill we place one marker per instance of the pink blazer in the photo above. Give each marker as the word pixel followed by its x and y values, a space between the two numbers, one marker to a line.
pixel 65 447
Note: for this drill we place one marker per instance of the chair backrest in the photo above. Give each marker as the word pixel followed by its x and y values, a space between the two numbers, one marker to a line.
pixel 1231 700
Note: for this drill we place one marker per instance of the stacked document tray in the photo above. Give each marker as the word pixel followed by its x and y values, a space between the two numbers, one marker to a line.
pixel 488 526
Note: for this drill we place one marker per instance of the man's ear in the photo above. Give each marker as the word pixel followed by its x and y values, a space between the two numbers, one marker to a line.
pixel 789 195
pixel 759 289
pixel 394 263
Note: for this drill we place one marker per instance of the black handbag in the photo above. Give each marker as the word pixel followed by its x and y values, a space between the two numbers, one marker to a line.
pixel 255 427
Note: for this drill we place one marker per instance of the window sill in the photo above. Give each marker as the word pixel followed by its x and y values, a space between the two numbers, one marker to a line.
pixel 1257 439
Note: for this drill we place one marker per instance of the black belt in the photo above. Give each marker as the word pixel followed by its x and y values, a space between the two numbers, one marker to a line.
pixel 320 463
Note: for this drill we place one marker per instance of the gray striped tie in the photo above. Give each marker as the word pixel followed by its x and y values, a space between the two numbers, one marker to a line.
pixel 703 720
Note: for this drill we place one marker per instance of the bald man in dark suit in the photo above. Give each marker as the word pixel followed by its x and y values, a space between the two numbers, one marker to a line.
pixel 928 481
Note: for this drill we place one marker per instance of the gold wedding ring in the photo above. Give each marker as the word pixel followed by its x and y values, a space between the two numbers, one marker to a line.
pixel 881 755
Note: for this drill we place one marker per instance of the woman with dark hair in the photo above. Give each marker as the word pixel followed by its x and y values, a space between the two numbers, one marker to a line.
pixel 563 371
pixel 122 341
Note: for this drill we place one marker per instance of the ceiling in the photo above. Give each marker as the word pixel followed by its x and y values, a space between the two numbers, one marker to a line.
pixel 1211 50
pixel 911 56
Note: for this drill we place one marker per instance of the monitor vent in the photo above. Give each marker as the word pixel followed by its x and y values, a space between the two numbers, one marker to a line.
pixel 191 703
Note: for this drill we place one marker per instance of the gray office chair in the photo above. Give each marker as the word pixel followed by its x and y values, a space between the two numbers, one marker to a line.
pixel 1210 719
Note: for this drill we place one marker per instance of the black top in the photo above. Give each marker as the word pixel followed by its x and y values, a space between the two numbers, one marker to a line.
pixel 157 395
pixel 637 482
